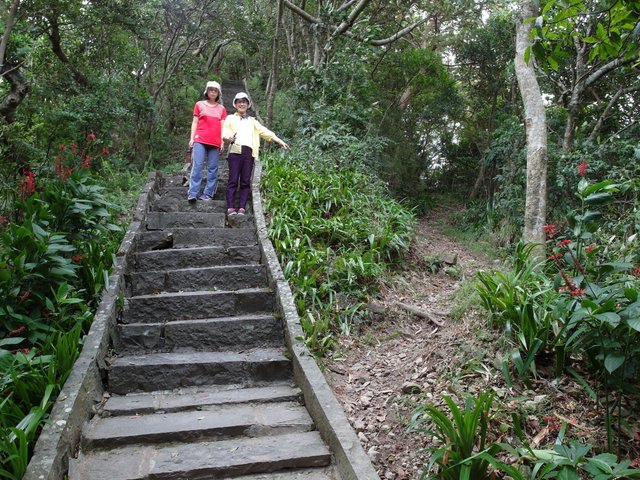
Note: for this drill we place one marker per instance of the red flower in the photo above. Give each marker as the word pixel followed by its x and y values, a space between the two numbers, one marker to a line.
pixel 25 350
pixel 4 219
pixel 62 147
pixel 551 230
pixel 77 258
pixel 91 136
pixel 28 184
pixel 564 243
pixel 105 151
pixel 589 249
pixel 577 292
pixel 86 163
pixel 582 168
pixel 556 256
pixel 636 271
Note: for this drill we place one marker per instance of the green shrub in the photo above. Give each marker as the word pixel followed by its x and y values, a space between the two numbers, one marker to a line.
pixel 335 232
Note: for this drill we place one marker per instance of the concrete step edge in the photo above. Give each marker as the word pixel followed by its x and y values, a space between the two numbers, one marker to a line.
pixel 214 423
pixel 192 398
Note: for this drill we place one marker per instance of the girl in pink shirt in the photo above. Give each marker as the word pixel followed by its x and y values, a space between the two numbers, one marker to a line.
pixel 206 141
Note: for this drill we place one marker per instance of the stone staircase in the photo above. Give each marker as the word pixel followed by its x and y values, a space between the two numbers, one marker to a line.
pixel 200 383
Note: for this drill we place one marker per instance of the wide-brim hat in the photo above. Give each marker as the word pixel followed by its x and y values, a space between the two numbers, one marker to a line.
pixel 213 84
pixel 240 95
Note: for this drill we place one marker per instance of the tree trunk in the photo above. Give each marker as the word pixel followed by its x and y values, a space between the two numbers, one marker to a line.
pixel 273 84
pixel 17 92
pixel 7 31
pixel 536 131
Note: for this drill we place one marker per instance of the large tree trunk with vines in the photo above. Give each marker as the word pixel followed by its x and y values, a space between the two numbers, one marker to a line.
pixel 536 130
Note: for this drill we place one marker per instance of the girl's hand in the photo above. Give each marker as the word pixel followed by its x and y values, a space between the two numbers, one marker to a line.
pixel 284 145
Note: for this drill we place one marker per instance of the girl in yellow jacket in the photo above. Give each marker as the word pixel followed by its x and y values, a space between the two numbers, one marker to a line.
pixel 243 134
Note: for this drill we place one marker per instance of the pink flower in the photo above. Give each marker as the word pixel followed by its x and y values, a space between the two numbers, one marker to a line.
pixel 557 256
pixel 105 151
pixel 62 147
pixel 91 136
pixel 636 271
pixel 564 243
pixel 4 219
pixel 582 168
pixel 577 292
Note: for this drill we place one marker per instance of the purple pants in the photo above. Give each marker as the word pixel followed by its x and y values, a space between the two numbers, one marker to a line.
pixel 240 168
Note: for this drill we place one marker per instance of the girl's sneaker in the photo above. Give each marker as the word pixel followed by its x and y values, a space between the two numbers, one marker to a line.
pixel 241 211
pixel 231 211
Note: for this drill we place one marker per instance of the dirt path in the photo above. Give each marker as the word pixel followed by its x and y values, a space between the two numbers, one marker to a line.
pixel 401 360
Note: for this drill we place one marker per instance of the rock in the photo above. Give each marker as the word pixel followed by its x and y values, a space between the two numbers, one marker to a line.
pixel 410 387
pixel 362 437
pixel 376 308
pixel 374 454
pixel 359 425
pixel 450 259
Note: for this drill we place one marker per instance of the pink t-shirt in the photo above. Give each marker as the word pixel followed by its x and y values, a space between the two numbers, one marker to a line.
pixel 209 129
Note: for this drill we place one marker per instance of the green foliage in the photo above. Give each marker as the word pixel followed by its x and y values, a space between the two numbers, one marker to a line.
pixel 463 450
pixel 568 462
pixel 335 232
pixel 608 28
pixel 521 302
pixel 577 305
pixel 54 262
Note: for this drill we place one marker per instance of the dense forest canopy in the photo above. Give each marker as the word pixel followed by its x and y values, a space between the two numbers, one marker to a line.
pixel 423 92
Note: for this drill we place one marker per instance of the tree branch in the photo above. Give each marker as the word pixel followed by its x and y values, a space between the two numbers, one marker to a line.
pixel 307 16
pixel 355 13
pixel 612 102
pixel 401 33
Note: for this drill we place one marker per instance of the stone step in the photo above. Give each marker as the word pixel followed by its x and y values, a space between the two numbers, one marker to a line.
pixel 198 397
pixel 182 179
pixel 162 220
pixel 304 474
pixel 175 180
pixel 207 334
pixel 167 307
pixel 195 257
pixel 204 460
pixel 180 204
pixel 181 192
pixel 199 237
pixel 158 371
pixel 228 277
pixel 210 423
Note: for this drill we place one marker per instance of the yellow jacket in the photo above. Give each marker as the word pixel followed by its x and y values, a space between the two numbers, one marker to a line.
pixel 233 123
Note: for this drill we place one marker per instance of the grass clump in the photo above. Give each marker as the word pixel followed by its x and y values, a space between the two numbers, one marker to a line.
pixel 336 231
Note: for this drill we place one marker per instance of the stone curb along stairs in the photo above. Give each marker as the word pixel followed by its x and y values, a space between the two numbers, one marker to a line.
pixel 193 367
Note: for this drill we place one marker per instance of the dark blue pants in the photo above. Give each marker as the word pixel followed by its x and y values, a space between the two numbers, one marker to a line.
pixel 240 168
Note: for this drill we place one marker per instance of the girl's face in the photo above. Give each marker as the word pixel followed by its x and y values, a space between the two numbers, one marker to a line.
pixel 212 93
